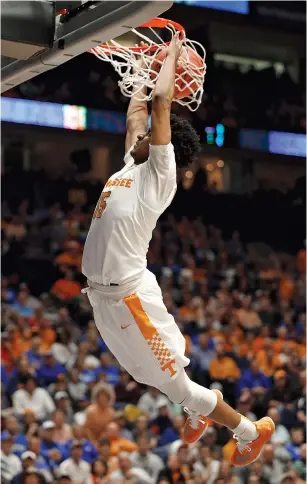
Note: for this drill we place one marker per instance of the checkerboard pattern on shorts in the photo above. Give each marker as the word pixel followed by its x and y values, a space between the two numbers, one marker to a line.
pixel 159 349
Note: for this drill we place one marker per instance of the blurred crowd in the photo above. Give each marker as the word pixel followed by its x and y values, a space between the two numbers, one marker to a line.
pixel 71 414
pixel 232 96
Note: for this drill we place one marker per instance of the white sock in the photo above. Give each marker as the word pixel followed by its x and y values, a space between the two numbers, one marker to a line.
pixel 246 430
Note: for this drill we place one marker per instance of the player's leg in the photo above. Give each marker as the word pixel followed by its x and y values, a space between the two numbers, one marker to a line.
pixel 148 308
pixel 148 344
pixel 201 402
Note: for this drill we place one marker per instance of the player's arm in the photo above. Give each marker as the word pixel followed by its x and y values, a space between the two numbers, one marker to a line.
pixel 163 95
pixel 137 116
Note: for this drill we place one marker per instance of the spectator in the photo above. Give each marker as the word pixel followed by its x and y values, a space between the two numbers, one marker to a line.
pixel 76 388
pixel 172 473
pixel 126 390
pixel 207 464
pixel 28 460
pixel 13 428
pixel 127 472
pixel 149 401
pixel 281 435
pixel 100 413
pixel 162 421
pixel 62 403
pixel 254 380
pixel 294 446
pixel 62 431
pixel 34 397
pixel 120 419
pixel 142 428
pixel 89 451
pixel 118 443
pixel 267 360
pixel 46 331
pixel 202 354
pixel 34 355
pixel 72 256
pixel 66 289
pixel 64 349
pixel 49 370
pixel 77 469
pixel 52 451
pixel 300 464
pixel 272 469
pixel 245 404
pixel 281 392
pixel 146 460
pixel 22 305
pixel 33 476
pixel 10 463
pixel 108 368
pixel 172 433
pixel 223 368
pixel 99 472
pixel 247 317
pixel 34 446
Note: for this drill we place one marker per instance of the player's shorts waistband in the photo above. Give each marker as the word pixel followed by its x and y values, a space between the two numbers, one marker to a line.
pixel 116 292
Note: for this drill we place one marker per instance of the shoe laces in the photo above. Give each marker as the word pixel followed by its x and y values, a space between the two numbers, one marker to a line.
pixel 194 418
pixel 242 445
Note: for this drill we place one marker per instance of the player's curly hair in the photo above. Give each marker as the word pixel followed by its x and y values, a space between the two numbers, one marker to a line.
pixel 185 141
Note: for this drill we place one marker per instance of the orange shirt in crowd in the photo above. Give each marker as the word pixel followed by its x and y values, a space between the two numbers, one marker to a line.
pixel 6 357
pixel 66 290
pixel 301 349
pixel 286 288
pixel 257 344
pixel 69 259
pixel 301 261
pixel 187 313
pixel 266 364
pixel 234 339
pixel 198 274
pixel 224 368
pixel 122 445
pixel 278 345
pixel 48 337
pixel 19 345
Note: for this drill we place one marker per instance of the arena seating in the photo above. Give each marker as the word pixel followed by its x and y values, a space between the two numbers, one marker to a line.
pixel 239 303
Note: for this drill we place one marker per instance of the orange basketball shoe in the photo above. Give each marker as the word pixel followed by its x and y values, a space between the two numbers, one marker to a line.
pixel 240 453
pixel 196 424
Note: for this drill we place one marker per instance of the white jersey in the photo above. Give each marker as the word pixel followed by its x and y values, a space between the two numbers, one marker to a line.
pixel 125 216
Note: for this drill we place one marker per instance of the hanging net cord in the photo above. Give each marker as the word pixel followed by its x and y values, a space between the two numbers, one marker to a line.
pixel 135 74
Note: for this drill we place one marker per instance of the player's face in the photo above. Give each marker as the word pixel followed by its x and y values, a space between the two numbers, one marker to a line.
pixel 140 152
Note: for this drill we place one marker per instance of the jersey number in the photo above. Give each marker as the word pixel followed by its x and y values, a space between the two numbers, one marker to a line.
pixel 101 204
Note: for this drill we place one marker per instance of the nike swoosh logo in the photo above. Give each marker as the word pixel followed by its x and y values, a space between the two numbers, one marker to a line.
pixel 125 327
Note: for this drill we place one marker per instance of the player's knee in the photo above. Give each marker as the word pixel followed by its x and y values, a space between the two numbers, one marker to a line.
pixel 177 390
pixel 189 394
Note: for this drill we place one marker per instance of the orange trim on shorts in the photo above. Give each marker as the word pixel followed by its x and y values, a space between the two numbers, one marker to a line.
pixel 150 334
pixel 146 327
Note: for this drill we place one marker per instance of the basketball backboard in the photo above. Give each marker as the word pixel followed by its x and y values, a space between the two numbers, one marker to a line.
pixel 97 22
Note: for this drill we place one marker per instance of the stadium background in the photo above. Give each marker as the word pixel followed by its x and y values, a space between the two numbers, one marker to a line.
pixel 229 255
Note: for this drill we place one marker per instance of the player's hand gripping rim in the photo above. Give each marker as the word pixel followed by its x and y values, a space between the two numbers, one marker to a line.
pixel 175 46
pixel 139 58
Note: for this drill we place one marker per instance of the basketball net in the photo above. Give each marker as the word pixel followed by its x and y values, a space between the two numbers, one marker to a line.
pixel 137 66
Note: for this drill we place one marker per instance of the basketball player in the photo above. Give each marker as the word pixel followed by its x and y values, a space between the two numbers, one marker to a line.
pixel 127 302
